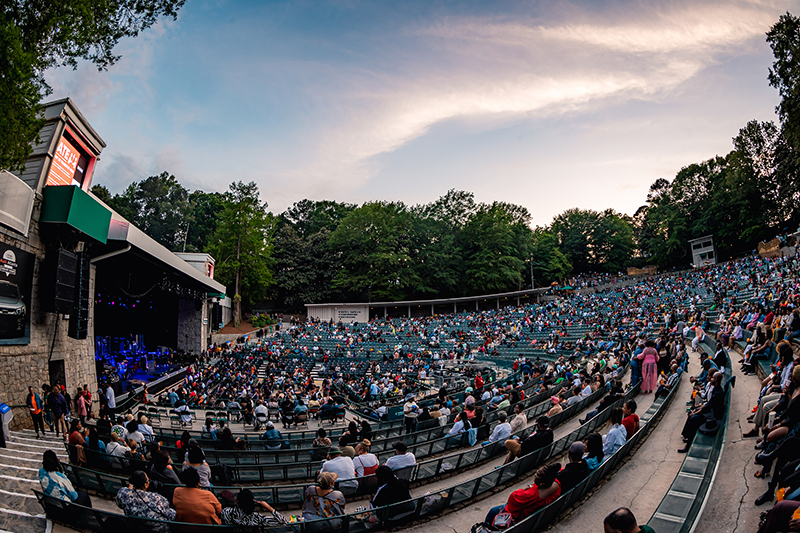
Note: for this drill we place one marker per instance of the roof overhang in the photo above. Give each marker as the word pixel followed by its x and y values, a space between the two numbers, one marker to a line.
pixel 122 231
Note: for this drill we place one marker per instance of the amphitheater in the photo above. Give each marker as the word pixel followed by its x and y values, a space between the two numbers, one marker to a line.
pixel 454 484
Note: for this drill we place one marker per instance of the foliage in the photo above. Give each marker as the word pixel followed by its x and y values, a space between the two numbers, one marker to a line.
pixel 242 246
pixel 595 241
pixel 262 320
pixel 36 36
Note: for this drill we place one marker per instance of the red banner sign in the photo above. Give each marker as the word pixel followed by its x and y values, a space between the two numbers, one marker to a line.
pixel 65 162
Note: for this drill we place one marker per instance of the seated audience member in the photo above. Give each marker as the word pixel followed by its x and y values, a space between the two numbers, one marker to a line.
pixel 575 470
pixel 55 483
pixel 712 408
pixel 616 436
pixel 594 451
pixel 623 521
pixel 273 437
pixel 520 420
pixel 161 470
pixel 666 386
pixel 631 420
pixel 539 438
pixel 402 458
pixel 523 502
pixel 322 501
pixel 606 401
pixel 391 490
pixel 342 466
pixel 116 447
pixel 501 431
pixel 245 514
pixel 136 500
pixel 193 504
pixel 365 463
pixel 196 460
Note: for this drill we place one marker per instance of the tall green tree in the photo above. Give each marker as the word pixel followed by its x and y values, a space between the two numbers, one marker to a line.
pixel 203 215
pixel 374 243
pixel 38 35
pixel 159 206
pixel 497 242
pixel 549 262
pixel 242 246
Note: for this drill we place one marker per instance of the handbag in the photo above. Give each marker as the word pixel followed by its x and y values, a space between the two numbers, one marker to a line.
pixel 503 520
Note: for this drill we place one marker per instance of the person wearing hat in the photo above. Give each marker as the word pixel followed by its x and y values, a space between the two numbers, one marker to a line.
pixel 342 466
pixel 402 458
pixel 539 438
pixel 273 437
pixel 410 413
pixel 557 408
pixel 576 469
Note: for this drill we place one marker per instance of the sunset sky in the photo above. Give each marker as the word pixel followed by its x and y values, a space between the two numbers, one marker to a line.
pixel 550 105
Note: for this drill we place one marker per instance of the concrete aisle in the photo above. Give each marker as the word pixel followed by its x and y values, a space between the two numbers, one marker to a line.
pixel 731 505
pixel 643 481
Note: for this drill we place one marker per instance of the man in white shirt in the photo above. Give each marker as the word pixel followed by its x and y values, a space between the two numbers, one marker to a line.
pixel 587 388
pixel 501 431
pixel 410 413
pixel 402 457
pixel 112 400
pixel 342 466
pixel 116 447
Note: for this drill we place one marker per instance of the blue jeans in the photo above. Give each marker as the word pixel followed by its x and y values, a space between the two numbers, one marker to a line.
pixel 494 511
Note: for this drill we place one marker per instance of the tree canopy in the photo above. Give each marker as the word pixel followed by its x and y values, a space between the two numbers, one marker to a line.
pixel 36 36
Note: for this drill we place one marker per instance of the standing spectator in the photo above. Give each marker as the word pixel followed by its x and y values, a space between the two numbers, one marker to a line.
pixel 60 410
pixel 111 399
pixel 649 359
pixel 410 412
pixel 80 406
pixel 34 403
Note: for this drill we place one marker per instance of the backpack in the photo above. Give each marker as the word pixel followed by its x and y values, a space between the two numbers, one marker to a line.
pixel 222 475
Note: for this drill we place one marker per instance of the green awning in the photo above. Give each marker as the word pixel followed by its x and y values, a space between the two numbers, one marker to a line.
pixel 69 204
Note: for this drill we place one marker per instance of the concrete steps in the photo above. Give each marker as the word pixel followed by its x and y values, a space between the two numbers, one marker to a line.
pixel 20 460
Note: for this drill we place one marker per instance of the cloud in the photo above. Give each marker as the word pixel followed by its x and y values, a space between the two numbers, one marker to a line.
pixel 491 71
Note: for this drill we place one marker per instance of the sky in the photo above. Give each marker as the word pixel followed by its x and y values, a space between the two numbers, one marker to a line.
pixel 549 105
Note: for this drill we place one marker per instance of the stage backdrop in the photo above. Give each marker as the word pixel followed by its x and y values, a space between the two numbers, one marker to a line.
pixel 16 276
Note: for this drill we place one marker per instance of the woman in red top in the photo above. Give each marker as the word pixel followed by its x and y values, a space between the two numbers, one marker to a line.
pixel 523 502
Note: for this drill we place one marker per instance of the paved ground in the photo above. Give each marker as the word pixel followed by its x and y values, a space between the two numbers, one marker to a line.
pixel 731 505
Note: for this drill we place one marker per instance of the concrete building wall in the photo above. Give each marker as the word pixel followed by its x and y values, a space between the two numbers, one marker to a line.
pixel 30 365
pixel 193 326
pixel 338 312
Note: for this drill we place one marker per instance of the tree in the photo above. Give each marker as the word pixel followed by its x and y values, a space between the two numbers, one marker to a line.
pixel 203 215
pixel 374 244
pixel 784 75
pixel 160 207
pixel 497 241
pixel 242 245
pixel 549 262
pixel 36 36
